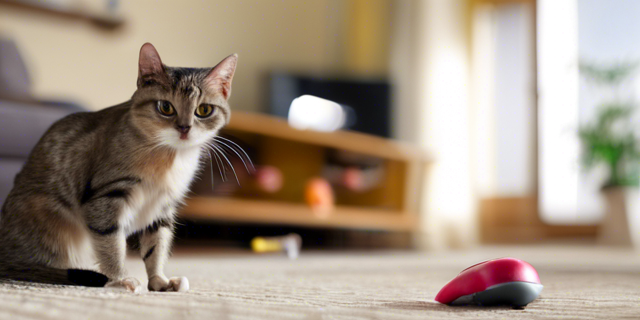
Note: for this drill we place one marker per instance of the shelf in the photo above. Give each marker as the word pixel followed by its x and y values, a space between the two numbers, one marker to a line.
pixel 344 140
pixel 301 155
pixel 271 212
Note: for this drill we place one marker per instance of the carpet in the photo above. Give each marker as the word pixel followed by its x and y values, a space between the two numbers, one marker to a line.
pixel 581 282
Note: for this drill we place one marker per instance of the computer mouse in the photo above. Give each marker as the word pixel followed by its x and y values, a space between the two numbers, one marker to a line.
pixel 504 281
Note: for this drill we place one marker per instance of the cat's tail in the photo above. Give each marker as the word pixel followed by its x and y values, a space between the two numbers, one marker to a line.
pixel 45 274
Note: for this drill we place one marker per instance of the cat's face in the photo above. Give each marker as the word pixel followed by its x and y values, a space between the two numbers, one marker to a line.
pixel 181 107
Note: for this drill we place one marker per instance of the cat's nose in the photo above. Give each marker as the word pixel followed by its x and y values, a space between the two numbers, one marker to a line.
pixel 184 129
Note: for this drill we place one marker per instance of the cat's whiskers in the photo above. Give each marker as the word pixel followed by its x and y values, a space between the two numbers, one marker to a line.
pixel 238 154
pixel 221 167
pixel 211 167
pixel 179 224
pixel 253 168
pixel 228 161
pixel 219 164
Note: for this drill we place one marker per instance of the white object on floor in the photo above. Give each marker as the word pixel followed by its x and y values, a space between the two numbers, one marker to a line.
pixel 292 244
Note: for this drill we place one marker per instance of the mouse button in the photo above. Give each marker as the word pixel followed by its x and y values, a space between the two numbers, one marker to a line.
pixel 477 264
pixel 510 269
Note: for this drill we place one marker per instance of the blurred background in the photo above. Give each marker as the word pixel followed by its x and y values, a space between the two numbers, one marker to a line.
pixel 455 123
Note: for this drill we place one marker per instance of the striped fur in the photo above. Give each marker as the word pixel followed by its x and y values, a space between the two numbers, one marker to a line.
pixel 96 178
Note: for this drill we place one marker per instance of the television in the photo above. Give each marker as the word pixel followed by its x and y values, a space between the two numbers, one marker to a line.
pixel 367 101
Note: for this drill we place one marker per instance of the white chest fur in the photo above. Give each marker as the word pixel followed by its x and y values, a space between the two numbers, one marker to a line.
pixel 149 200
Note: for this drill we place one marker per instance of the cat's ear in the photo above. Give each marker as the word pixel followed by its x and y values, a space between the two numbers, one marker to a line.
pixel 149 63
pixel 220 77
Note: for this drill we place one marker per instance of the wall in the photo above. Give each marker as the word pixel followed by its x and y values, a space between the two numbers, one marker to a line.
pixel 431 60
pixel 367 35
pixel 73 59
pixel 468 96
pixel 504 99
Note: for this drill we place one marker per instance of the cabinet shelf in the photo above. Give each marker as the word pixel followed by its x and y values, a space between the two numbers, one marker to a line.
pixel 272 212
pixel 391 202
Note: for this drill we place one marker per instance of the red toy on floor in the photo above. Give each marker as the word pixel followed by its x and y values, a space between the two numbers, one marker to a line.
pixel 505 281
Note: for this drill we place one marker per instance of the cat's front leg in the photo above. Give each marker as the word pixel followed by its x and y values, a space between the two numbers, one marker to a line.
pixel 108 237
pixel 155 245
pixel 110 250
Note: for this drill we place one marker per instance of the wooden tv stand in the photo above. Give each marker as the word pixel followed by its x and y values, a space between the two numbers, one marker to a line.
pixel 392 204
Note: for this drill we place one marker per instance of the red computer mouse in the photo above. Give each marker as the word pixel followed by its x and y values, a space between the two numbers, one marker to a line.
pixel 505 281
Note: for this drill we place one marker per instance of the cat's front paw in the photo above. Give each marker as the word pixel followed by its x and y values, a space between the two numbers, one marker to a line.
pixel 130 284
pixel 161 283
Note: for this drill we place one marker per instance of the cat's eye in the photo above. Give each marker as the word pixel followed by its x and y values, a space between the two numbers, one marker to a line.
pixel 165 108
pixel 205 110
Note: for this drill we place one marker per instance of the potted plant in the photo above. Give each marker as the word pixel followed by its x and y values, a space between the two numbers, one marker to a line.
pixel 611 140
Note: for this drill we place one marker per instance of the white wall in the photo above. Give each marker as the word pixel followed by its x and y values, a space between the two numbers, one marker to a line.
pixel 503 100
pixel 433 62
pixel 467 96
pixel 515 100
pixel 403 62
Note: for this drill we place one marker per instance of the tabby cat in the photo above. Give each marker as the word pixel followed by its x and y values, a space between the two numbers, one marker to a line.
pixel 97 178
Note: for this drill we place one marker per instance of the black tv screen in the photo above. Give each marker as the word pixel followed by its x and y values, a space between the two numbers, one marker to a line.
pixel 367 101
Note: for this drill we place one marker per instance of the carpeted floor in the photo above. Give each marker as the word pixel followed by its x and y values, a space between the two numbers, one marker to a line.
pixel 580 283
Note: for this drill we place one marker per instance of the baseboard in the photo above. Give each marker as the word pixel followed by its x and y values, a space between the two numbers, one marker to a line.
pixel 517 220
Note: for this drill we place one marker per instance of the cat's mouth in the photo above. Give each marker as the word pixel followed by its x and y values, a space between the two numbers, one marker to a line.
pixel 179 139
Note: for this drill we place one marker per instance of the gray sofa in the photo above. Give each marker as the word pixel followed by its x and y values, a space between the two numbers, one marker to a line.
pixel 23 119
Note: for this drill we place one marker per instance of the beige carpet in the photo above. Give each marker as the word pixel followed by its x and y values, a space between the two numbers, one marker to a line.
pixel 580 283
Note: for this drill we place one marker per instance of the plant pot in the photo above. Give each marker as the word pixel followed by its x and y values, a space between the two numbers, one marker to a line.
pixel 616 226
